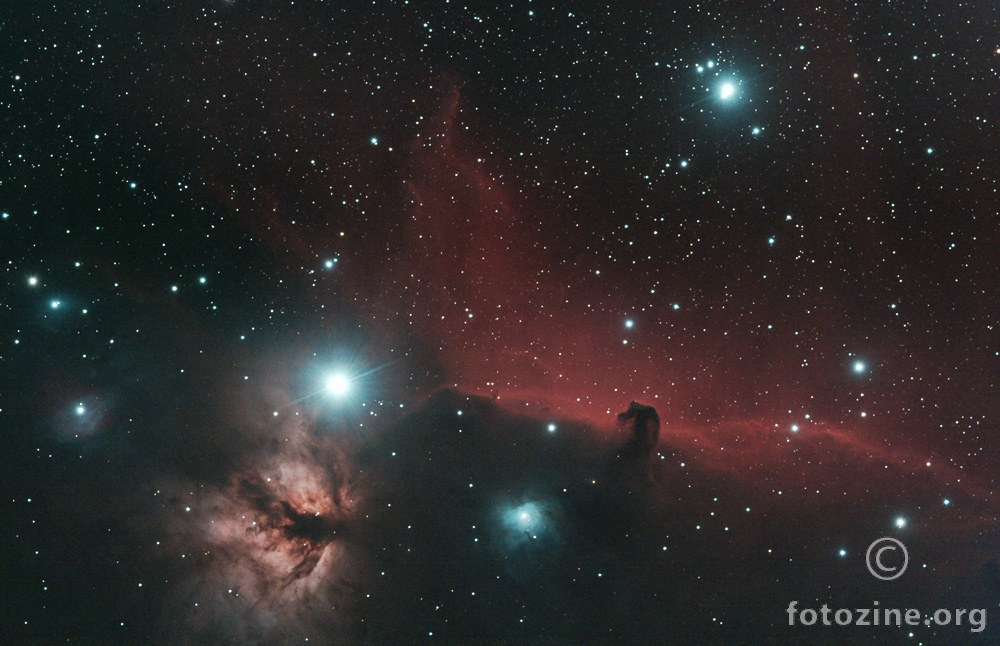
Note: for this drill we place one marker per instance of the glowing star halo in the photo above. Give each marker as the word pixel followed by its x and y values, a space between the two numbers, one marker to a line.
pixel 529 525
pixel 341 386
pixel 727 90
pixel 338 385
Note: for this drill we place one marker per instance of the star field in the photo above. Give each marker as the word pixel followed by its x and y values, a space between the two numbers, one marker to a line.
pixel 316 319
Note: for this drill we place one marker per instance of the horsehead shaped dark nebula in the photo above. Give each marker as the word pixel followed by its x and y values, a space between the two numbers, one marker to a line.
pixel 773 231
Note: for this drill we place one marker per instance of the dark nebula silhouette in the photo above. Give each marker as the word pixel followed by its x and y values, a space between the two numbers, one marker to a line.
pixel 623 360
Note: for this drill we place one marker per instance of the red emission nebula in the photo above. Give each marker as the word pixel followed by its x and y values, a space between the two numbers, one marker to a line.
pixel 476 277
pixel 458 323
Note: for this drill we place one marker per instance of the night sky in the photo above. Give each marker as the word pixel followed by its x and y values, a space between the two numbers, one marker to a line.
pixel 317 320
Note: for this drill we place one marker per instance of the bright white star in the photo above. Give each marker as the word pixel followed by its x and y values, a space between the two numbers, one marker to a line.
pixel 727 91
pixel 338 385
